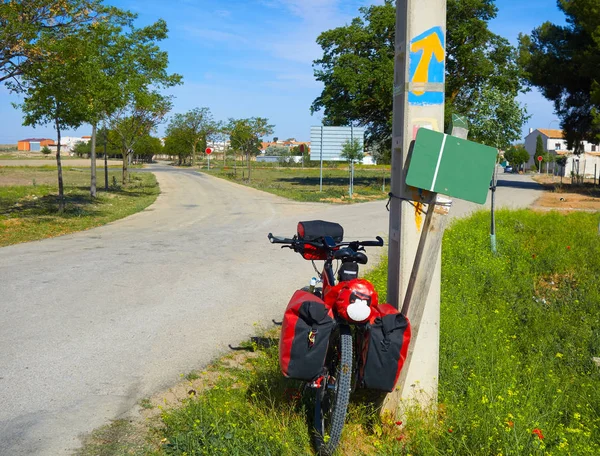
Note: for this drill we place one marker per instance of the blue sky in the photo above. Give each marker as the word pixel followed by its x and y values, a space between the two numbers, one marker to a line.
pixel 244 58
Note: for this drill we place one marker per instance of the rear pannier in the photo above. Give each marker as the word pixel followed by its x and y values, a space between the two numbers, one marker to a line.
pixel 315 230
pixel 307 325
pixel 387 346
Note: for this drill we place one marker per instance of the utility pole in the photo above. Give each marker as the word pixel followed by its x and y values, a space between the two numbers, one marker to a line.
pixel 419 71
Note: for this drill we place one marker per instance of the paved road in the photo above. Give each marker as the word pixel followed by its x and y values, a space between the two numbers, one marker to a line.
pixel 95 321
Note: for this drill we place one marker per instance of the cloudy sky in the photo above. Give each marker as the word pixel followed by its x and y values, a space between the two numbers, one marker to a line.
pixel 244 58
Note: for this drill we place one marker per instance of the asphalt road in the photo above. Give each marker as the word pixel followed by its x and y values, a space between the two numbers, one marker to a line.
pixel 93 322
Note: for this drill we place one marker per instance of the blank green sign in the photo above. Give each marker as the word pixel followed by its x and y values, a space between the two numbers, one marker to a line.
pixel 455 167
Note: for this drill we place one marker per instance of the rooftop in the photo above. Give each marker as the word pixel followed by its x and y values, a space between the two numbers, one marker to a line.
pixel 35 139
pixel 551 133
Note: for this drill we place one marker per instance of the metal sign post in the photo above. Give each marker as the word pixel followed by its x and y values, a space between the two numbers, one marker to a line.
pixel 418 103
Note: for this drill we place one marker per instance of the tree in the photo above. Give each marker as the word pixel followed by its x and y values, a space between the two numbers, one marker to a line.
pixel 352 152
pixel 139 70
pixel 539 150
pixel 245 135
pixel 176 146
pixel 277 150
pixel 52 93
pixel 563 62
pixel 192 128
pixel 516 156
pixel 82 148
pixel 25 27
pixel 133 122
pixel 146 148
pixel 357 68
pixel 46 150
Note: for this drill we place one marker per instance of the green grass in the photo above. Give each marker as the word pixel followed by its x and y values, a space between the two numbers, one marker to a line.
pixel 303 184
pixel 518 331
pixel 29 205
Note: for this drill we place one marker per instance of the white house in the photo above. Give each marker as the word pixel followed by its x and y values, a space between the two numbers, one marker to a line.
pixel 555 144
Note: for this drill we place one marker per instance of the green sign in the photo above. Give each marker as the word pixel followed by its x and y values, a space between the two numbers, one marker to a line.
pixel 453 166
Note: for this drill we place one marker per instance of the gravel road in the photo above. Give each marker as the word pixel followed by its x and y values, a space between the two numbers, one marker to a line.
pixel 93 322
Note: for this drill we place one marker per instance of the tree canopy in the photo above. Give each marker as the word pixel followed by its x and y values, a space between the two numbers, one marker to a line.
pixel 24 22
pixel 482 74
pixel 563 62
pixel 193 128
pixel 245 135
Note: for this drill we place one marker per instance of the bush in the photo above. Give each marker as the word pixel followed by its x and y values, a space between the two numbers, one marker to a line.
pixel 46 150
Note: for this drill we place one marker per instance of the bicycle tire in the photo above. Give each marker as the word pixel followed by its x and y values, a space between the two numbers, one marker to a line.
pixel 331 402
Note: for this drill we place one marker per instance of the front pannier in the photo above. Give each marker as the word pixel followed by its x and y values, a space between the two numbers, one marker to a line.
pixel 387 346
pixel 315 230
pixel 307 325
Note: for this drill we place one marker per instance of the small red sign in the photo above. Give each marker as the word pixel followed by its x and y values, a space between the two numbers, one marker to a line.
pixel 208 151
pixel 540 158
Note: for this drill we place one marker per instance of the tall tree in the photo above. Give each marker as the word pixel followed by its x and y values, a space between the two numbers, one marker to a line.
pixel 194 127
pixel 245 135
pixel 357 69
pixel 139 71
pixel 132 122
pixel 539 149
pixel 52 94
pixel 563 62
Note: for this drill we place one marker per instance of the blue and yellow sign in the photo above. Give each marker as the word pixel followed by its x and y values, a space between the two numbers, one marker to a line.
pixel 426 68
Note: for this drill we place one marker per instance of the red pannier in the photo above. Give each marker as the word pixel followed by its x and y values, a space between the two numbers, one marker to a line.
pixel 315 230
pixel 386 348
pixel 307 325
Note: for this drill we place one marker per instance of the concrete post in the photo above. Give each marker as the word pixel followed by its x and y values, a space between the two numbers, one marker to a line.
pixel 418 102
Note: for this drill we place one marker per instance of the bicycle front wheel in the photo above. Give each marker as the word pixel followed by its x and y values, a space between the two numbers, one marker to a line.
pixel 332 398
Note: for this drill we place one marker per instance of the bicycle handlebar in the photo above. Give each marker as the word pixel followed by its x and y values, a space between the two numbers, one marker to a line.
pixel 323 245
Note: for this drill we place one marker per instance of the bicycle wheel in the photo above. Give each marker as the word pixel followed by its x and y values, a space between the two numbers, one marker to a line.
pixel 331 401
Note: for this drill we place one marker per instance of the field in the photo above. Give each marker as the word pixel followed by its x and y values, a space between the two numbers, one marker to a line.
pixel 519 333
pixel 29 202
pixel 303 184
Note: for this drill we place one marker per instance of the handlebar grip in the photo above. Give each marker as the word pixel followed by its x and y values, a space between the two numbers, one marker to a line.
pixel 377 243
pixel 279 239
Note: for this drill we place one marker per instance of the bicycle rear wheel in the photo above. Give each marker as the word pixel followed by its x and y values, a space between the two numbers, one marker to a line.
pixel 332 398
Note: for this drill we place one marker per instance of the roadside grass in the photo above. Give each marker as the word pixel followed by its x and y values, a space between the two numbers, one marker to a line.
pixel 29 202
pixel 518 333
pixel 303 184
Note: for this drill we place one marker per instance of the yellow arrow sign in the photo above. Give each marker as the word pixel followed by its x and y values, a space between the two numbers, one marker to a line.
pixel 431 47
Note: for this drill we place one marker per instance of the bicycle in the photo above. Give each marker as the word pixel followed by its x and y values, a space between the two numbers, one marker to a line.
pixel 338 338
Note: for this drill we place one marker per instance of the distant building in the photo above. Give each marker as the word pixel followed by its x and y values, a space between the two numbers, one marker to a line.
pixel 34 144
pixel 555 144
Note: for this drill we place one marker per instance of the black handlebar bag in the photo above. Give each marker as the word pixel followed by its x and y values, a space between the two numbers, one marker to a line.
pixel 387 346
pixel 316 230
pixel 307 325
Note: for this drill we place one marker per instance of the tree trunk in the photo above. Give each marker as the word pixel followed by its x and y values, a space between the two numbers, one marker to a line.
pixel 61 189
pixel 125 153
pixel 193 154
pixel 105 160
pixel 93 159
pixel 248 161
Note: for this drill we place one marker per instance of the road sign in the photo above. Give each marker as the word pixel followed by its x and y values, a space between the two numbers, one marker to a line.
pixel 540 158
pixel 452 166
pixel 426 68
pixel 208 151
